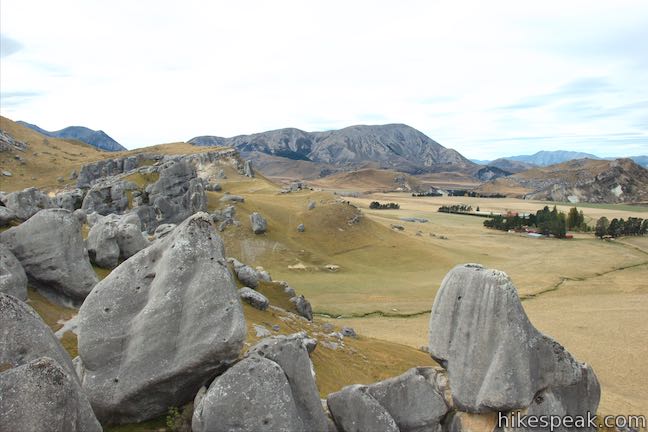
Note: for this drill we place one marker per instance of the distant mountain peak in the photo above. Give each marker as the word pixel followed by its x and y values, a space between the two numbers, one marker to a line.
pixel 95 138
pixel 393 146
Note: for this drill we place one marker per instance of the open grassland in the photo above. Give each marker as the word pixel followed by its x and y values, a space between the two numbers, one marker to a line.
pixel 584 292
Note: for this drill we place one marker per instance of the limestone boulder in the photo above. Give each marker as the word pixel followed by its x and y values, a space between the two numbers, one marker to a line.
pixel 254 395
pixel 496 359
pixel 108 196
pixel 40 396
pixel 6 216
pixel 303 307
pixel 115 237
pixel 254 298
pixel 291 354
pixel 51 250
pixel 13 279
pixel 258 223
pixel 173 305
pixel 353 409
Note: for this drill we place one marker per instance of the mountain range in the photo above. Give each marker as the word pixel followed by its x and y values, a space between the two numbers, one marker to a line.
pixel 392 146
pixel 546 158
pixel 98 139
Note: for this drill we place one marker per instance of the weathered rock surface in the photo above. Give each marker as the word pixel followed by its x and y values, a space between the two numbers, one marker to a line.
pixel 25 337
pixel 253 395
pixel 26 203
pixel 70 200
pixel 496 359
pixel 413 399
pixel 291 353
pixel 13 280
pixel 108 196
pixel 173 305
pixel 303 307
pixel 163 230
pixel 245 273
pixel 354 410
pixel 50 248
pixel 254 298
pixel 6 216
pixel 232 198
pixel 115 237
pixel 41 396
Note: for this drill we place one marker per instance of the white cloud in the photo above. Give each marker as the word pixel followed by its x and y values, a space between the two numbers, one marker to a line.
pixel 149 72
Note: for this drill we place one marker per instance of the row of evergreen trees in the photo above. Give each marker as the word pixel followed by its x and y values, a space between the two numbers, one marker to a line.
pixel 619 227
pixel 455 208
pixel 547 222
pixel 378 206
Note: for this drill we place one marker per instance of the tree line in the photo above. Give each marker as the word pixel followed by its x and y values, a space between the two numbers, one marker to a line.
pixel 619 227
pixel 388 206
pixel 546 221
pixel 455 208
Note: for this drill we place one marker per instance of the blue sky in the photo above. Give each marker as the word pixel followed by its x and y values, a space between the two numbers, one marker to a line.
pixel 489 79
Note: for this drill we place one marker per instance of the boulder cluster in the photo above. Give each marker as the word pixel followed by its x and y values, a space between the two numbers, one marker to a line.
pixel 166 327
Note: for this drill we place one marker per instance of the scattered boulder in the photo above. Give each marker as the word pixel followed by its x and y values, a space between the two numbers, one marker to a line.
pixel 254 298
pixel 398 227
pixel 50 248
pixel 13 280
pixel 291 353
pixel 42 396
pixel 247 169
pixel 115 237
pixel 7 173
pixel 25 337
pixel 173 304
pixel 26 203
pixel 213 187
pixel 496 359
pixel 253 395
pixel 301 228
pixel 311 205
pixel 348 332
pixel 303 307
pixel 246 274
pixel 260 331
pixel 232 198
pixel 258 222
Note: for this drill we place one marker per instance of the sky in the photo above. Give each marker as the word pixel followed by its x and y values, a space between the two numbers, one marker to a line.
pixel 489 79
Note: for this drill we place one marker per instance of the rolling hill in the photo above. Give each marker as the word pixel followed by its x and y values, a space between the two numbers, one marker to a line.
pixel 394 146
pixel 98 139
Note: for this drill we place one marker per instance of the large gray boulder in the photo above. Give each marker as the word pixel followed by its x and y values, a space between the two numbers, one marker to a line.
pixel 496 359
pixel 414 399
pixel 354 410
pixel 51 250
pixel 40 396
pixel 115 237
pixel 173 305
pixel 291 353
pixel 258 223
pixel 248 275
pixel 252 396
pixel 13 279
pixel 25 337
pixel 26 203
pixel 303 307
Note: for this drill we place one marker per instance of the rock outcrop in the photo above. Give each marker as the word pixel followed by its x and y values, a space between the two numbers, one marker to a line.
pixel 26 203
pixel 254 298
pixel 41 396
pixel 303 307
pixel 173 305
pixel 70 200
pixel 115 237
pixel 13 279
pixel 50 248
pixel 496 359
pixel 108 196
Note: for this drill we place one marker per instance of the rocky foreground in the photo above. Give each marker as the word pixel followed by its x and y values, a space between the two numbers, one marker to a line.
pixel 166 326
